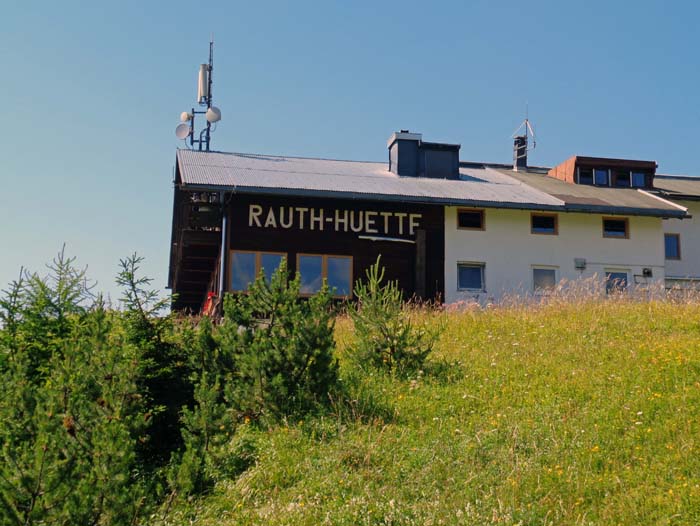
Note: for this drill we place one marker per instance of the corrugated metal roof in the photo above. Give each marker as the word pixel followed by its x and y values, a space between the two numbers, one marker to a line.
pixel 678 185
pixel 478 185
pixel 248 173
pixel 595 198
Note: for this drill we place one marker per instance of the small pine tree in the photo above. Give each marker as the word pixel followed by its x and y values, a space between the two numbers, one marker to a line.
pixel 385 335
pixel 282 345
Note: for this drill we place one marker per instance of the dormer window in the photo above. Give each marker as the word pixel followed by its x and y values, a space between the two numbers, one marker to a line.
pixel 605 172
pixel 585 176
pixel 639 180
pixel 621 179
pixel 602 177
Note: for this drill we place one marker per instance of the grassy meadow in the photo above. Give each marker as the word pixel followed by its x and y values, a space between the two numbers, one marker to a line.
pixel 567 413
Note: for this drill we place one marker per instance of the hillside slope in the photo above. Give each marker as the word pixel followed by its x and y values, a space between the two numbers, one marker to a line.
pixel 566 414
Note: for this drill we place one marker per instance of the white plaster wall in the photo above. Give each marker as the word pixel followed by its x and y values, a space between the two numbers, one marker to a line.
pixel 509 251
pixel 689 229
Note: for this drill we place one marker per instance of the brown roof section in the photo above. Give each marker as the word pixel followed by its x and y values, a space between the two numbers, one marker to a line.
pixel 678 187
pixel 599 199
pixel 566 171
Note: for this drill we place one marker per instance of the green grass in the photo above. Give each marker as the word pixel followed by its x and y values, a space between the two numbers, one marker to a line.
pixel 565 414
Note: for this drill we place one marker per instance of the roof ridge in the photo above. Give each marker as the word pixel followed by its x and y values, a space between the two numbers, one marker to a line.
pixel 249 154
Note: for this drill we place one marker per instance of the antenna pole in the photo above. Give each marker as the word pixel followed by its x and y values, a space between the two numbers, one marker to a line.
pixel 209 96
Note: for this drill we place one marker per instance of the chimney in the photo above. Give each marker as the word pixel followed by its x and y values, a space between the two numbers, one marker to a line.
pixel 403 152
pixel 410 156
pixel 520 153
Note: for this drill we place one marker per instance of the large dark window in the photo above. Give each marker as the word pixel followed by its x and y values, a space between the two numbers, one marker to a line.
pixel 672 244
pixel 470 276
pixel 543 224
pixel 616 228
pixel 470 219
pixel 335 270
pixel 246 266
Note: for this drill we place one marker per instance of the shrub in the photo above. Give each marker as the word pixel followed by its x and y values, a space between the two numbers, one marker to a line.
pixel 71 414
pixel 282 346
pixel 386 336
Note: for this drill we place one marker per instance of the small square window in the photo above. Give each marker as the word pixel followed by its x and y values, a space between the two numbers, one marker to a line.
pixel 543 224
pixel 639 180
pixel 672 244
pixel 470 276
pixel 470 219
pixel 544 279
pixel 585 176
pixel 615 281
pixel 615 228
pixel 601 177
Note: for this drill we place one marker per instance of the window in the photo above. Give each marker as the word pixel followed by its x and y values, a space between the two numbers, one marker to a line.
pixel 543 279
pixel 601 177
pixel 470 276
pixel 672 244
pixel 639 180
pixel 585 176
pixel 615 281
pixel 335 270
pixel 246 266
pixel 470 219
pixel 621 178
pixel 543 224
pixel 616 228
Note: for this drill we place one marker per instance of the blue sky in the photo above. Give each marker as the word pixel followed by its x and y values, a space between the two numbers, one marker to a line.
pixel 92 92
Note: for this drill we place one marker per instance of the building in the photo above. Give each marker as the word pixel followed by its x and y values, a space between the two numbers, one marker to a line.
pixel 682 237
pixel 445 229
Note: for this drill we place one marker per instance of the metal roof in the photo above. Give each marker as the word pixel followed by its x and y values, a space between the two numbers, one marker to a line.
pixel 264 174
pixel 586 198
pixel 678 186
pixel 478 185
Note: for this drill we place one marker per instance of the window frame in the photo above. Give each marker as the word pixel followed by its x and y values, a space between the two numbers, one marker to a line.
pixel 482 213
pixel 595 182
pixel 545 291
pixel 627 227
pixel 578 176
pixel 615 178
pixel 545 214
pixel 481 266
pixel 678 242
pixel 258 265
pixel 644 176
pixel 324 272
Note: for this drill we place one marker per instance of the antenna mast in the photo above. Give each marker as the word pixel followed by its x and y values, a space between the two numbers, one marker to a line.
pixel 212 114
pixel 520 145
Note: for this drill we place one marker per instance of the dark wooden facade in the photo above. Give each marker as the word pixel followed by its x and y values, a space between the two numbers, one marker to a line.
pixel 409 238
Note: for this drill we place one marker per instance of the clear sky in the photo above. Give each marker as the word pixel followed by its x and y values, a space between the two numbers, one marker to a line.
pixel 92 91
